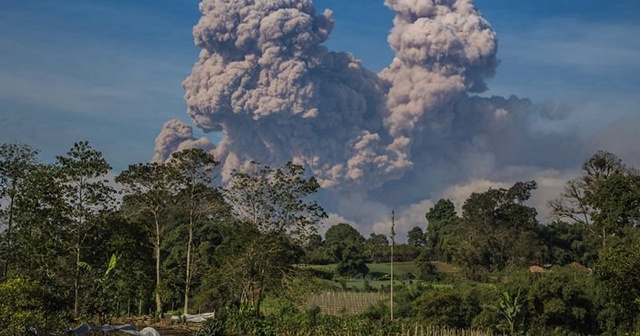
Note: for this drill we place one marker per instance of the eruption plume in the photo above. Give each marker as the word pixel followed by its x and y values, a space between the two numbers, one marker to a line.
pixel 265 80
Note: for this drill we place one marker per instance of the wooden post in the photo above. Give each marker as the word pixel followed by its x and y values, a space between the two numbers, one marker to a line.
pixel 393 243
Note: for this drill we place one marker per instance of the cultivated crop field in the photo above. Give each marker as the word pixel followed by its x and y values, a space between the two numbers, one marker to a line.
pixel 344 303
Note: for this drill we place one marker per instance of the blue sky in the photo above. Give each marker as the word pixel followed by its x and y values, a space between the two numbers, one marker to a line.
pixel 109 71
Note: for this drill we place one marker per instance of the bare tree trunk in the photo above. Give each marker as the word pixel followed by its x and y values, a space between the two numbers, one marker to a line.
pixel 187 282
pixel 158 278
pixel 8 236
pixel 76 283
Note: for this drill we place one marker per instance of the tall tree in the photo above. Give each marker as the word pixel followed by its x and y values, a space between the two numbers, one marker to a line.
pixel 150 191
pixel 134 277
pixel 275 203
pixel 340 236
pixel 617 276
pixel 605 197
pixel 41 219
pixel 377 247
pixel 16 160
pixel 276 200
pixel 498 230
pixel 415 237
pixel 89 198
pixel 194 169
pixel 346 245
pixel 442 223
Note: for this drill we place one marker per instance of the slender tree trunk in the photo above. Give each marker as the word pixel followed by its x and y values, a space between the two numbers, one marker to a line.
pixel 80 223
pixel 158 279
pixel 258 302
pixel 9 255
pixel 187 282
pixel 76 283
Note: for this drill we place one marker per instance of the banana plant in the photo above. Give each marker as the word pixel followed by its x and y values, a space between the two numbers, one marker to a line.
pixel 510 308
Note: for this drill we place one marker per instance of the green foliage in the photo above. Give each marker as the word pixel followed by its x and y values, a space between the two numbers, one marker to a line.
pixel 377 248
pixel 498 231
pixel 415 237
pixel 452 306
pixel 215 326
pixel 61 231
pixel 291 321
pixel 132 281
pixel 199 200
pixel 442 223
pixel 352 264
pixel 617 275
pixel 617 199
pixel 40 226
pixel 346 245
pixel 314 253
pixel 562 299
pixel 440 307
pixel 510 308
pixel 16 161
pixel 101 298
pixel 567 243
pixel 428 271
pixel 276 200
pixel 605 198
pixel 24 309
pixel 253 264
pixel 149 195
pixel 277 219
pixel 88 200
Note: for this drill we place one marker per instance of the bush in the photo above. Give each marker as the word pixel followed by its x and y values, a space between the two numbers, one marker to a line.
pixel 560 301
pixel 442 308
pixel 23 309
pixel 427 270
pixel 215 326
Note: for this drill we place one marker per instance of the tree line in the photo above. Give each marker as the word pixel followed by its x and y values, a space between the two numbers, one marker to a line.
pixel 161 230
pixel 167 237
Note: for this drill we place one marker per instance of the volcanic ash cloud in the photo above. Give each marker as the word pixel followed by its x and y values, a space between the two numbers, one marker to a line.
pixel 264 79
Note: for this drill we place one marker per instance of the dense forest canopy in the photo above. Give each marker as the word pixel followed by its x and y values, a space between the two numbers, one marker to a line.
pixel 166 237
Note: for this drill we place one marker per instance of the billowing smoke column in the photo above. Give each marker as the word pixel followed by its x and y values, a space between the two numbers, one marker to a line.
pixel 443 49
pixel 265 80
pixel 177 136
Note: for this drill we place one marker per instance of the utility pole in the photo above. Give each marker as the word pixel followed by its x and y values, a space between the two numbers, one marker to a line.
pixel 393 244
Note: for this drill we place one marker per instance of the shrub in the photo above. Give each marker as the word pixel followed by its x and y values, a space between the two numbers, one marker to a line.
pixel 442 308
pixel 23 309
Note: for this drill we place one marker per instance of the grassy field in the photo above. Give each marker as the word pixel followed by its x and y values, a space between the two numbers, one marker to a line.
pixel 400 268
pixel 379 275
pixel 444 268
